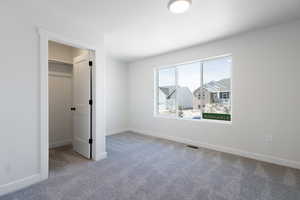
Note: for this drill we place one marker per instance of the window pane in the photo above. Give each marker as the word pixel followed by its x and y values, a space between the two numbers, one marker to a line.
pixel 216 90
pixel 167 91
pixel 188 83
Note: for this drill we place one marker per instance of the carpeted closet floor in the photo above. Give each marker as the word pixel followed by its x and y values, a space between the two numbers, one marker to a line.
pixel 145 168
pixel 64 159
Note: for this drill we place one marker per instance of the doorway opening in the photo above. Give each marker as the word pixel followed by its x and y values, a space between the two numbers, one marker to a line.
pixel 70 97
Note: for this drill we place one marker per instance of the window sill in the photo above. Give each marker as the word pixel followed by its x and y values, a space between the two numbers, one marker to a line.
pixel 194 120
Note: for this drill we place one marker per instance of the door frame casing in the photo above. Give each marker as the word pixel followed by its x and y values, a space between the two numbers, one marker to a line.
pixel 45 37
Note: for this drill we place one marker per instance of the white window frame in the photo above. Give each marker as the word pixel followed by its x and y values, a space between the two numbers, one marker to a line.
pixel 201 61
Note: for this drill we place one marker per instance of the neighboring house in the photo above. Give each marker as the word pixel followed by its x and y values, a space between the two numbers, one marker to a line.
pixel 212 92
pixel 167 98
pixel 185 98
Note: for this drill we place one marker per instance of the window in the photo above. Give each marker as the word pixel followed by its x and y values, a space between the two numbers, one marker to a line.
pixel 197 90
pixel 167 91
pixel 224 95
pixel 188 81
pixel 217 84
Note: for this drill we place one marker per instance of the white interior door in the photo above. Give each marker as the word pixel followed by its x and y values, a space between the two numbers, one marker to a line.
pixel 81 97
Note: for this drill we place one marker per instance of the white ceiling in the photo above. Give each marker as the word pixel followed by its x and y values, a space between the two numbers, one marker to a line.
pixel 137 29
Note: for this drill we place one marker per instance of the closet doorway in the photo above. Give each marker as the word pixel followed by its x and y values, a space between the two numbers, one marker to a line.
pixel 70 107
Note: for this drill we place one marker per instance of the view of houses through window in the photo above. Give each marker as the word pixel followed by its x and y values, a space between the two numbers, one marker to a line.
pixel 197 90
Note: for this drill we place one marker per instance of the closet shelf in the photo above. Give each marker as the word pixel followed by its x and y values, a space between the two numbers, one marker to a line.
pixel 59 61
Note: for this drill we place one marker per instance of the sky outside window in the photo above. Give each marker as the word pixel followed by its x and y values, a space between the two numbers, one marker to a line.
pixel 217 69
pixel 189 75
pixel 166 77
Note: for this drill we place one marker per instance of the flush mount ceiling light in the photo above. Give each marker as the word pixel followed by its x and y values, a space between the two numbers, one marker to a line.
pixel 179 6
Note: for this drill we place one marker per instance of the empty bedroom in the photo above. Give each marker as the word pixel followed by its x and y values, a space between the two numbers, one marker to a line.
pixel 150 100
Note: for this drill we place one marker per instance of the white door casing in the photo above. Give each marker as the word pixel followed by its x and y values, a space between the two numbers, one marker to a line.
pixel 99 105
pixel 81 97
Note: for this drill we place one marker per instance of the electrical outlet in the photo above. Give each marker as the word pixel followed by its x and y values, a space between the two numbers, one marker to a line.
pixel 269 138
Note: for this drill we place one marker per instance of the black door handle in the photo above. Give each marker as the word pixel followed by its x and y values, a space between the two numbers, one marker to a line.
pixel 73 108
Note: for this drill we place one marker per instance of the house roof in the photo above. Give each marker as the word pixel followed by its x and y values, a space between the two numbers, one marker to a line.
pixel 169 91
pixel 222 85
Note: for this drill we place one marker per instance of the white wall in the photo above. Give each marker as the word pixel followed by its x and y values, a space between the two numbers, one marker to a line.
pixel 266 69
pixel 60 83
pixel 20 82
pixel 117 96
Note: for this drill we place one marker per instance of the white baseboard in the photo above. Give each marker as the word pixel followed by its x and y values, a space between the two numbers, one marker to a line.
pixel 101 156
pixel 256 156
pixel 116 131
pixel 19 184
pixel 60 143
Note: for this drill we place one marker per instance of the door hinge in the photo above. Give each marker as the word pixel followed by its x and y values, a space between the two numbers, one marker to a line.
pixel 91 102
pixel 90 63
pixel 90 141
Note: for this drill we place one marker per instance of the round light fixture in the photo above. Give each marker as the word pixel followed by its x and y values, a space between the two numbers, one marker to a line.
pixel 179 6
